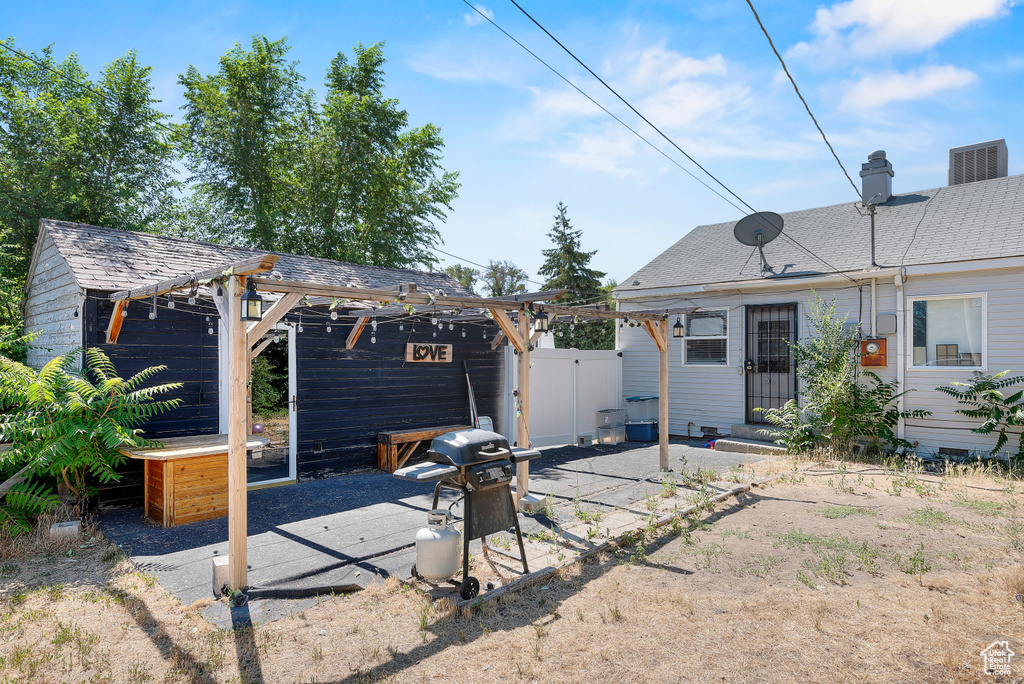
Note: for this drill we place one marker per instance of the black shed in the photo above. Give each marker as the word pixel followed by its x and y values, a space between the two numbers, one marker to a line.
pixel 343 388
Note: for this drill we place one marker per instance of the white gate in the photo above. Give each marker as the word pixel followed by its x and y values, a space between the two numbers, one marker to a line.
pixel 567 389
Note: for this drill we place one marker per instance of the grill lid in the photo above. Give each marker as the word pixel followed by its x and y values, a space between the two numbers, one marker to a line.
pixel 466 447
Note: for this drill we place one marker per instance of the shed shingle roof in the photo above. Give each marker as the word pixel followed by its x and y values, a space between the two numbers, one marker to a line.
pixel 111 260
pixel 982 220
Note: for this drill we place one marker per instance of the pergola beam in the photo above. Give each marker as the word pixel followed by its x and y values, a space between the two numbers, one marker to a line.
pixel 256 264
pixel 357 330
pixel 273 316
pixel 509 328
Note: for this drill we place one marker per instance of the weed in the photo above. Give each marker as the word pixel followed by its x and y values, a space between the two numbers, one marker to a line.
pixel 830 566
pixel 737 532
pixel 669 486
pixel 8 569
pixel 759 565
pixel 930 518
pixel 834 512
pixel 139 672
pixel 980 505
pixel 707 555
pixel 868 558
pixel 55 592
pixel 915 564
pixel 651 502
pixel 805 579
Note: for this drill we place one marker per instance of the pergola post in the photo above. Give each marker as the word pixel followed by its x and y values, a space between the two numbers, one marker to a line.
pixel 663 396
pixel 238 380
pixel 523 423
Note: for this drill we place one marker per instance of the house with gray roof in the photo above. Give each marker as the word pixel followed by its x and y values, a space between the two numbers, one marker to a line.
pixel 933 280
pixel 341 392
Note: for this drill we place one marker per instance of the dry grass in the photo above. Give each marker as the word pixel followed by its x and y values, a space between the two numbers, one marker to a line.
pixel 723 600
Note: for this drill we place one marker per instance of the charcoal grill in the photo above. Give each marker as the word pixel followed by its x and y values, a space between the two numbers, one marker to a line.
pixel 480 465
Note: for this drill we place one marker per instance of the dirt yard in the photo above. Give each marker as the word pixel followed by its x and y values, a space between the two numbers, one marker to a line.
pixel 829 575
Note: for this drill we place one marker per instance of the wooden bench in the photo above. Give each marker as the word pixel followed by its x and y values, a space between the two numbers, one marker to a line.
pixel 186 480
pixel 396 446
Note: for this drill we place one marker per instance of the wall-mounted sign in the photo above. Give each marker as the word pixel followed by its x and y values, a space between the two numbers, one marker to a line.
pixel 428 353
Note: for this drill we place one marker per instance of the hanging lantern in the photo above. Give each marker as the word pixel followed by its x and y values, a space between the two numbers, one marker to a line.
pixel 252 304
pixel 678 330
pixel 540 322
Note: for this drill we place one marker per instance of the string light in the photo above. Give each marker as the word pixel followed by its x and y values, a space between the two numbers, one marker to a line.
pixel 299 328
pixel 434 333
pixel 334 315
pixel 373 337
pixel 170 300
pixel 328 327
pixel 433 319
pixel 401 327
pixel 193 291
pixel 451 324
pixel 463 331
pixel 209 330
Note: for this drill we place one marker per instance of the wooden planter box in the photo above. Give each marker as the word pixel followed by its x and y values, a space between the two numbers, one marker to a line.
pixel 187 479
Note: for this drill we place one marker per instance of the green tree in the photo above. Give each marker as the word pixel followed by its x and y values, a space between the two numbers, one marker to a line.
pixel 503 278
pixel 343 179
pixel 566 267
pixel 465 275
pixel 70 148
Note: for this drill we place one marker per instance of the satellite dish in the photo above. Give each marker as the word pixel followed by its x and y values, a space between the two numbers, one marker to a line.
pixel 757 230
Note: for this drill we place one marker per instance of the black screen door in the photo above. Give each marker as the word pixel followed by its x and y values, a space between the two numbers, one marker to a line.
pixel 770 371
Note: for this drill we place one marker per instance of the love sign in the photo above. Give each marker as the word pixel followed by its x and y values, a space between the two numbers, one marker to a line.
pixel 428 353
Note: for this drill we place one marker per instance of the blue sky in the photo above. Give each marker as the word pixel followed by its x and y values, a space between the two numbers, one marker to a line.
pixel 913 77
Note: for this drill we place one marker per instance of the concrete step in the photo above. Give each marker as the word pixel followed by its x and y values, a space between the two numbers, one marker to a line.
pixel 751 431
pixel 748 446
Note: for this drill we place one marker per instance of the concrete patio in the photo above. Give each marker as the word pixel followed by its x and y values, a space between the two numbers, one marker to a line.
pixel 355 528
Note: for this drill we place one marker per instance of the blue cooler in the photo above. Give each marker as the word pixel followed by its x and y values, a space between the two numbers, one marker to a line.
pixel 642 421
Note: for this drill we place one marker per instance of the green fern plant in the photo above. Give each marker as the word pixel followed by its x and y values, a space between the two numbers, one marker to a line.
pixel 69 423
pixel 24 502
pixel 985 401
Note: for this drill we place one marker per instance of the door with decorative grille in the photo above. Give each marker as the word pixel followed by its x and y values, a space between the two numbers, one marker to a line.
pixel 770 370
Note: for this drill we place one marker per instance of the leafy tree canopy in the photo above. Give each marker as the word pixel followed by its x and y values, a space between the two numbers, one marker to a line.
pixel 345 178
pixel 503 278
pixel 465 275
pixel 75 149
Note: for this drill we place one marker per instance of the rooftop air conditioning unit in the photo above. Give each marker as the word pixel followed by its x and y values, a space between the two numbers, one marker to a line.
pixel 978 162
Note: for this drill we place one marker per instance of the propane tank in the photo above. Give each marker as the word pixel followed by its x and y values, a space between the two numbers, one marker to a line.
pixel 438 547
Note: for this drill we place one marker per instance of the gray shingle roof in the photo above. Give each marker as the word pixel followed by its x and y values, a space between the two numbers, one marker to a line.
pixel 982 220
pixel 111 260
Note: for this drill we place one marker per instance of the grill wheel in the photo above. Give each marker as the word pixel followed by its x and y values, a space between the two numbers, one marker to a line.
pixel 469 588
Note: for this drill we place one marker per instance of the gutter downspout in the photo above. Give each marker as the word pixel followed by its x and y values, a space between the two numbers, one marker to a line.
pixel 901 366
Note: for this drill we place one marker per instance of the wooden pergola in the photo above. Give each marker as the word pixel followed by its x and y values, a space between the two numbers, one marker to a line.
pixel 244 342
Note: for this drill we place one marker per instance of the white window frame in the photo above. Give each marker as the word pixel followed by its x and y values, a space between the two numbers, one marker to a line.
pixel 909 318
pixel 728 359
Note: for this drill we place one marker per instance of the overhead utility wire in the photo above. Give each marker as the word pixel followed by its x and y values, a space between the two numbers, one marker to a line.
pixel 798 94
pixel 601 107
pixel 648 122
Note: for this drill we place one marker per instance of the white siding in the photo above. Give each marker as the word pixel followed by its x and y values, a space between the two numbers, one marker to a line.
pixel 50 304
pixel 1005 289
pixel 714 396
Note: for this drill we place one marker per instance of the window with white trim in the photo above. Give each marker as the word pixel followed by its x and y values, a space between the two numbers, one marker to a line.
pixel 948 331
pixel 706 338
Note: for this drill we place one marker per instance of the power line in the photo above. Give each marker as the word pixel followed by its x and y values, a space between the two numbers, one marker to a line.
pixel 601 106
pixel 661 133
pixel 798 94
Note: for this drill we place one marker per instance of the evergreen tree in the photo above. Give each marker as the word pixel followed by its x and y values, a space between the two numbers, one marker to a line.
pixel 566 267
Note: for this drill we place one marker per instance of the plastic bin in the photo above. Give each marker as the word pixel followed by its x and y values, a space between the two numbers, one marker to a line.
pixel 641 408
pixel 611 435
pixel 642 430
pixel 611 418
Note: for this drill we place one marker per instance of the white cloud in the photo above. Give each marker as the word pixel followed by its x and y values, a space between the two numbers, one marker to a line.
pixel 878 90
pixel 474 18
pixel 865 28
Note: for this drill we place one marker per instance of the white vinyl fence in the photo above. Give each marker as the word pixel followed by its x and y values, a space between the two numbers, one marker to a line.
pixel 567 389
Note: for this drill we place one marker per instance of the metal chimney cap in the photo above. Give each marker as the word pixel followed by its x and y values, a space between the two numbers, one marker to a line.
pixel 877 155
